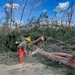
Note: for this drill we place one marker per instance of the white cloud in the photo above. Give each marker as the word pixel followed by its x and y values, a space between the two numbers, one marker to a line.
pixel 14 5
pixel 62 6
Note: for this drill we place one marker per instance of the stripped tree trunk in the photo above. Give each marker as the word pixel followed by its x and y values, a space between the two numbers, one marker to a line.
pixel 62 54
pixel 55 57
pixel 38 40
pixel 63 58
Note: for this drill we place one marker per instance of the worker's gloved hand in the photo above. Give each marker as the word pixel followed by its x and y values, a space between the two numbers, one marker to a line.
pixel 16 42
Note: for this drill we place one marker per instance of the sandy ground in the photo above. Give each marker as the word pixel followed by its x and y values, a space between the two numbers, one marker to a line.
pixel 27 69
pixel 29 66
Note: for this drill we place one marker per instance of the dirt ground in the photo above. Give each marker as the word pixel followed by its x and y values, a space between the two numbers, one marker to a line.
pixel 27 67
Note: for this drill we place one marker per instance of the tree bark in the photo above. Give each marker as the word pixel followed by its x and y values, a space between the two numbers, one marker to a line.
pixel 57 58
pixel 38 40
pixel 54 56
pixel 61 54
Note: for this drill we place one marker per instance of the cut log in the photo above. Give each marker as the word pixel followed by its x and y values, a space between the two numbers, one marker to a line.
pixel 32 45
pixel 72 59
pixel 62 54
pixel 53 57
pixel 38 40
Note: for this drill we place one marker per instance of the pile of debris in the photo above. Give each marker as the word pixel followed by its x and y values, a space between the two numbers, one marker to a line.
pixel 61 57
pixel 53 51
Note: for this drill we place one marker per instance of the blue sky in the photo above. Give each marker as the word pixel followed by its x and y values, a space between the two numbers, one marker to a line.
pixel 48 5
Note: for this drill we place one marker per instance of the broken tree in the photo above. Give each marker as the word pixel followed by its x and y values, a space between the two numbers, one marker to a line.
pixel 59 57
pixel 63 58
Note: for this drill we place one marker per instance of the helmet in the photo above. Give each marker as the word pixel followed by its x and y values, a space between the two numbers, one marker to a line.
pixel 28 39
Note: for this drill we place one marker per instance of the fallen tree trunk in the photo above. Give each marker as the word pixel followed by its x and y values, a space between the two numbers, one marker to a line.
pixel 57 58
pixel 32 45
pixel 38 40
pixel 61 54
pixel 54 56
